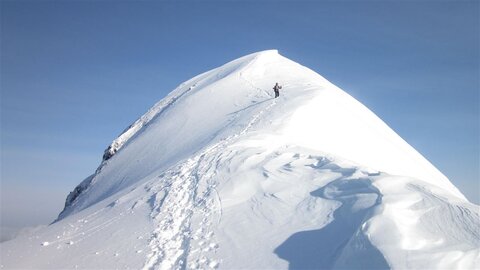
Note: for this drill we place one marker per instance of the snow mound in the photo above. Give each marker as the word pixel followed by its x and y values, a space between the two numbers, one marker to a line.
pixel 219 174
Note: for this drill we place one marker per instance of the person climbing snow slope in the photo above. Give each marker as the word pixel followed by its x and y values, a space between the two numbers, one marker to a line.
pixel 276 89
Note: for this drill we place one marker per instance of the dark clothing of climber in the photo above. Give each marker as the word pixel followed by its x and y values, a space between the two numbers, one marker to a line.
pixel 276 89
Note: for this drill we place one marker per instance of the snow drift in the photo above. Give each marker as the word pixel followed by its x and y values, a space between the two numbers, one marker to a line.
pixel 219 174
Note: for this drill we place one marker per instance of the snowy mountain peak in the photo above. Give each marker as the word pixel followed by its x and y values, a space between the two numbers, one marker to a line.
pixel 237 97
pixel 219 164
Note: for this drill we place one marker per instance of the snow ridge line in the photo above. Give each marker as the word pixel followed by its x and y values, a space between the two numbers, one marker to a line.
pixel 143 121
pixel 117 144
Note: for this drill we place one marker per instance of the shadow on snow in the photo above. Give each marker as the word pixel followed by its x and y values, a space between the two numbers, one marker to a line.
pixel 322 248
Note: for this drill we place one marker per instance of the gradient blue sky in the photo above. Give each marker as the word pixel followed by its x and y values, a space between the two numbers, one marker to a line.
pixel 75 74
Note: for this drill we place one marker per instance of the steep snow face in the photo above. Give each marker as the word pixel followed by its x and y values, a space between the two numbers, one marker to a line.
pixel 219 174
pixel 311 112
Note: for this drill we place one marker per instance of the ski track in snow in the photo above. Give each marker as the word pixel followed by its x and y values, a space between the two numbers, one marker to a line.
pixel 171 242
pixel 80 233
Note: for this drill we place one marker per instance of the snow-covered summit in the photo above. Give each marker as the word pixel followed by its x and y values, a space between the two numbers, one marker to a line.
pixel 311 112
pixel 312 179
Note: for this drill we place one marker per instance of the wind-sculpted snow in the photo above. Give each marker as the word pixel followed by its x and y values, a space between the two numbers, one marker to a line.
pixel 321 248
pixel 428 223
pixel 219 174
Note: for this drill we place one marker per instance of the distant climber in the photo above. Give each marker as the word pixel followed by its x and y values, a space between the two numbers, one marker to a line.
pixel 276 89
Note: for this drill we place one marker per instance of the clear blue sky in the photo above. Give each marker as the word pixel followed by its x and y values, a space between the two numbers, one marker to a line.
pixel 75 74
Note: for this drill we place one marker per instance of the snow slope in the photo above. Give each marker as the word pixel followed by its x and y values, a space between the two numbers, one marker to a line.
pixel 219 174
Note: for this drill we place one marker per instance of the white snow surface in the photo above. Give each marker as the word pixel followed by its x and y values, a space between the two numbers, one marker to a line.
pixel 219 174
